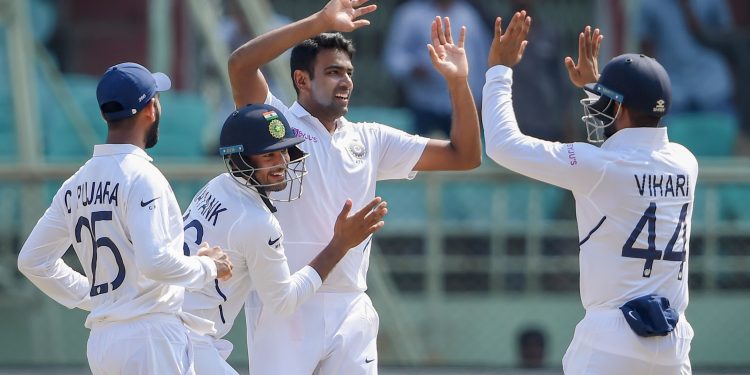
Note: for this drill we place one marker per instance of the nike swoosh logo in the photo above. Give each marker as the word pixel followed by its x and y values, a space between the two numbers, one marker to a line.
pixel 367 360
pixel 273 242
pixel 631 315
pixel 146 203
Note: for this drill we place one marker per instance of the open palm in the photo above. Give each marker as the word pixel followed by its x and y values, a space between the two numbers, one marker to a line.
pixel 587 68
pixel 342 15
pixel 448 58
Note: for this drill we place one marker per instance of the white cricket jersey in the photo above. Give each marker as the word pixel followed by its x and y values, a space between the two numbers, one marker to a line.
pixel 122 219
pixel 634 200
pixel 345 164
pixel 232 216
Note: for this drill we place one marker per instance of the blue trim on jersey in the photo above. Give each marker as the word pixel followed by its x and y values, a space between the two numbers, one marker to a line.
pixel 593 230
pixel 221 309
pixel 367 244
pixel 216 282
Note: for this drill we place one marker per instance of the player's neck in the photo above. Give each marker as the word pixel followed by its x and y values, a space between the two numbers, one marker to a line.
pixel 126 136
pixel 328 120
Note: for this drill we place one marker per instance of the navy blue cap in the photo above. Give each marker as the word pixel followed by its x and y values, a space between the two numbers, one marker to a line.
pixel 257 129
pixel 636 81
pixel 129 86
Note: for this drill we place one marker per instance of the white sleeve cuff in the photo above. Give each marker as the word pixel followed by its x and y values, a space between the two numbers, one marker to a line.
pixel 311 275
pixel 209 267
pixel 498 72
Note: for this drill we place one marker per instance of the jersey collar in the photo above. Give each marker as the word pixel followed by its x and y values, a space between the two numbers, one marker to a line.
pixel 651 138
pixel 120 149
pixel 300 112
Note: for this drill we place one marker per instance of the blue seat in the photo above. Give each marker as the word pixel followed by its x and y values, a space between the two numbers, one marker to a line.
pixel 473 201
pixel 406 201
pixel 704 133
pixel 183 118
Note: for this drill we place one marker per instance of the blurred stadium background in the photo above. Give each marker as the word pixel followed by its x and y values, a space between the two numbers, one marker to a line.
pixel 468 263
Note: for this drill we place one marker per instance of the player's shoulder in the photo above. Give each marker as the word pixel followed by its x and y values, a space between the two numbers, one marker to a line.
pixel 683 153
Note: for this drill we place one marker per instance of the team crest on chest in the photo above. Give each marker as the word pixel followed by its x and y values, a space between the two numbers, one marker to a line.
pixel 357 149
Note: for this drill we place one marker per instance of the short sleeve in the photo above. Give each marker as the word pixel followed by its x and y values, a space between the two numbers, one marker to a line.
pixel 399 152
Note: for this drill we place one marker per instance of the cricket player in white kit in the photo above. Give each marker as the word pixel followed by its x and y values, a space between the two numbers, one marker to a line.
pixel 634 201
pixel 235 212
pixel 335 331
pixel 121 217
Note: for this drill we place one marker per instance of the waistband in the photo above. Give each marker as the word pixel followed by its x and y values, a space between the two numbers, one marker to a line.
pixel 152 317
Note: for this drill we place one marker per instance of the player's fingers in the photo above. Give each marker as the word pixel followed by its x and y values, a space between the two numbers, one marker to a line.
pixel 462 37
pixel 433 55
pixel 359 12
pixel 569 64
pixel 597 44
pixel 370 206
pixel 378 212
pixel 498 27
pixel 587 41
pixel 434 33
pixel 519 20
pixel 440 32
pixel 526 27
pixel 448 36
pixel 360 23
pixel 376 227
pixel 522 49
pixel 581 48
pixel 345 210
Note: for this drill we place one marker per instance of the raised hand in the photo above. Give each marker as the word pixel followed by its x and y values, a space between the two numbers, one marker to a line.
pixel 448 58
pixel 587 69
pixel 350 231
pixel 220 258
pixel 507 48
pixel 341 15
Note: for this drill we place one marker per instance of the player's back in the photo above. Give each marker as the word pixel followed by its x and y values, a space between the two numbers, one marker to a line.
pixel 226 214
pixel 634 223
pixel 98 203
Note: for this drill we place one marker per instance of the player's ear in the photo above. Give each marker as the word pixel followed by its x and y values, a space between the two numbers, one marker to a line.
pixel 301 80
pixel 150 109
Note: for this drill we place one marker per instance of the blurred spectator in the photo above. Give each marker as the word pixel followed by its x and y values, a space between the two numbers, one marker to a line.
pixel 531 343
pixel 734 45
pixel 408 61
pixel 541 81
pixel 234 30
pixel 700 76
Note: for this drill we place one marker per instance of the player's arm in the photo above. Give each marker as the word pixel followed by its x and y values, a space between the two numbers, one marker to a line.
pixel 158 244
pixel 574 166
pixel 246 79
pixel 464 149
pixel 282 292
pixel 39 260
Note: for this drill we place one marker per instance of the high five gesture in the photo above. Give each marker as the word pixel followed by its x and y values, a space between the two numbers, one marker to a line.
pixel 587 69
pixel 341 15
pixel 448 58
pixel 508 47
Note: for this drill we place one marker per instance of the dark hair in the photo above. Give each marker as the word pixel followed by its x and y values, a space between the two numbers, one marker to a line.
pixel 304 54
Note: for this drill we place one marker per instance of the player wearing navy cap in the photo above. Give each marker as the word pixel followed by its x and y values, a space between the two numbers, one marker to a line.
pixel 235 211
pixel 122 219
pixel 634 200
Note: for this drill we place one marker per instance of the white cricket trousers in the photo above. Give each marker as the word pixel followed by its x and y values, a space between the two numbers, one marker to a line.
pixel 150 344
pixel 604 344
pixel 330 334
pixel 211 355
